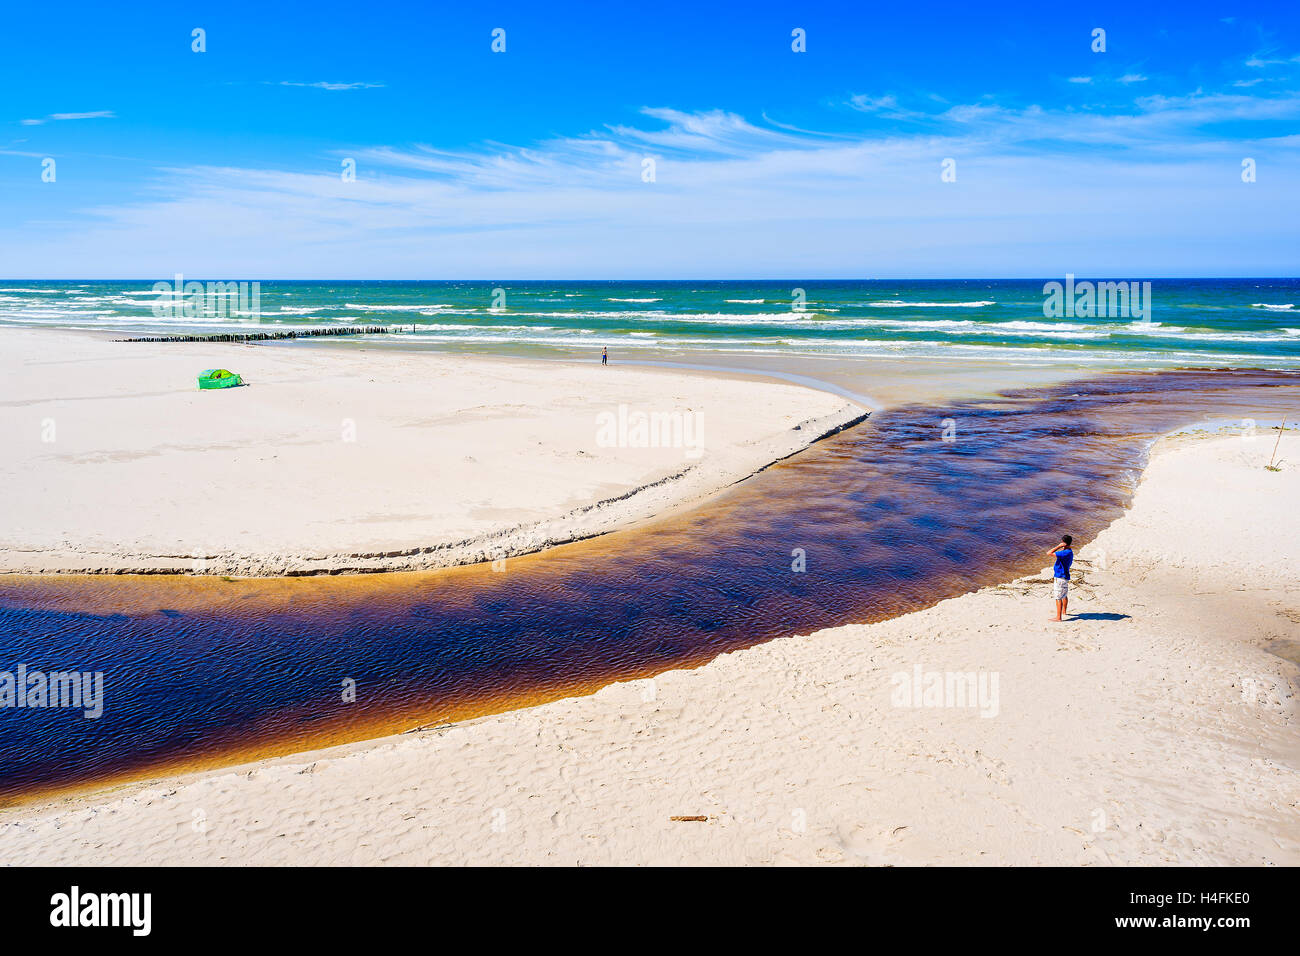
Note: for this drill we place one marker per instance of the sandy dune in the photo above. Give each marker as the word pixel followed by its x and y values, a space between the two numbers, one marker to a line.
pixel 351 459
pixel 1152 730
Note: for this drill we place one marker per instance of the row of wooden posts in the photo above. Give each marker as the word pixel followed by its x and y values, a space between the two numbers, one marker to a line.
pixel 262 336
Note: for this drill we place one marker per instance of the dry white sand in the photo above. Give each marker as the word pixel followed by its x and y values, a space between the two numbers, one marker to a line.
pixel 1153 730
pixel 355 459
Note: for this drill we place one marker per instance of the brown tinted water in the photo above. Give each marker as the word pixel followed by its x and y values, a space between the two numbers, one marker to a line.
pixel 888 516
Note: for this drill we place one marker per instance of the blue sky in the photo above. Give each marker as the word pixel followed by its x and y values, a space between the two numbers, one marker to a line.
pixel 768 163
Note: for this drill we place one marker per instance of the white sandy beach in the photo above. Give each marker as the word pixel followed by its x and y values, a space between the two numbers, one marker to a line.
pixel 352 458
pixel 649 438
pixel 1154 729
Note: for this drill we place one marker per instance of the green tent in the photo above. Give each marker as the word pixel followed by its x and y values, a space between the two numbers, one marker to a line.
pixel 219 378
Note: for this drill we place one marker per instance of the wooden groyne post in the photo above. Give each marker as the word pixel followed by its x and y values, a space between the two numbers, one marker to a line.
pixel 262 336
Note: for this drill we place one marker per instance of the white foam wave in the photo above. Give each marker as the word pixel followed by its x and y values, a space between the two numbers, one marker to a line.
pixel 396 307
pixel 896 304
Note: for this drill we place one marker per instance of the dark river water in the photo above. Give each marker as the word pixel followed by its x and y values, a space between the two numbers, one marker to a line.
pixel 917 505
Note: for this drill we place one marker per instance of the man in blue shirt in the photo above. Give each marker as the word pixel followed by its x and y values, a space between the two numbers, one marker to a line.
pixel 1061 575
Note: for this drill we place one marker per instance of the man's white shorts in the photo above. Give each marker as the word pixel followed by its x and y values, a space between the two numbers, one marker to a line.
pixel 1060 588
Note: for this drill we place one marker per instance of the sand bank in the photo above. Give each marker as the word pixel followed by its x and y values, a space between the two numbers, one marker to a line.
pixel 356 459
pixel 1153 729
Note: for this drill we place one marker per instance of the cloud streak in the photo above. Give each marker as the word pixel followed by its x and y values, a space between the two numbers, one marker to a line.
pixel 334 87
pixel 1090 190
pixel 60 117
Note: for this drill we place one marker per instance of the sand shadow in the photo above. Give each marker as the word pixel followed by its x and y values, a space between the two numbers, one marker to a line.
pixel 1099 616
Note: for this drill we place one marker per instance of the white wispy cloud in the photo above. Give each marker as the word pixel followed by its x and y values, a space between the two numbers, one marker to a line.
pixel 1128 78
pixel 730 195
pixel 1080 79
pixel 887 106
pixel 57 117
pixel 1266 59
pixel 325 85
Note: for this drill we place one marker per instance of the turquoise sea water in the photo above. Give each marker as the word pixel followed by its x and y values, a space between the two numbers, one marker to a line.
pixel 1194 322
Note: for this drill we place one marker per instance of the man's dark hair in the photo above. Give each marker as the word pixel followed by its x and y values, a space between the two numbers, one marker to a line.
pixel 1067 539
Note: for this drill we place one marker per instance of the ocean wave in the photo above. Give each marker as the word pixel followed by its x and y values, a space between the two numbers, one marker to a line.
pixel 747 301
pixel 895 304
pixel 971 327
pixel 1256 337
pixel 749 318
pixel 866 348
pixel 1021 325
pixel 631 314
pixel 50 312
pixel 634 300
pixel 920 325
pixel 396 307
pixel 476 329
pixel 1277 308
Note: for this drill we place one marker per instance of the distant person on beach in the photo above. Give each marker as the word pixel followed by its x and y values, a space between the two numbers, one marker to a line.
pixel 604 356
pixel 1061 575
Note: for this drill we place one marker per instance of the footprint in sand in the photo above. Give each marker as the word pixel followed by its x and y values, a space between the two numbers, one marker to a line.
pixel 871 846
